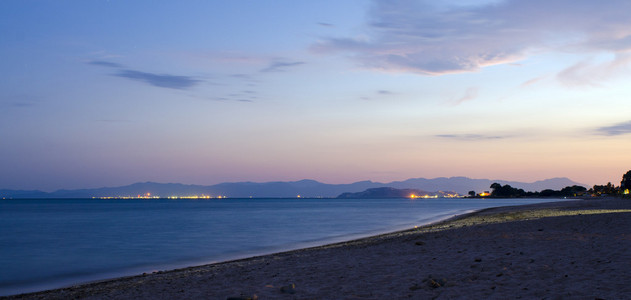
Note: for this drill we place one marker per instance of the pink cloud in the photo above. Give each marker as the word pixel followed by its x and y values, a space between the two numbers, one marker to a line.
pixel 470 94
pixel 591 74
pixel 423 37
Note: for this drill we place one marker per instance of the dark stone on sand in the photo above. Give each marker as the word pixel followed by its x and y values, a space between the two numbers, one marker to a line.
pixel 288 289
pixel 477 260
pixel 436 282
pixel 419 243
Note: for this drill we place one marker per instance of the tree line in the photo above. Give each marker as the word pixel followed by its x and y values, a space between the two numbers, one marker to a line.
pixel 507 191
pixel 610 189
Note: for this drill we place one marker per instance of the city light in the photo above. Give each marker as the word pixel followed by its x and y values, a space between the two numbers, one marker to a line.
pixel 149 196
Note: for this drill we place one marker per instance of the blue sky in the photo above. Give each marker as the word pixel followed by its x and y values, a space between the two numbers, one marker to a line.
pixel 104 93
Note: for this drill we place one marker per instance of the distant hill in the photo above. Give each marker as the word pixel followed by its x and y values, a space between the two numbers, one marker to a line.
pixel 462 185
pixel 389 192
pixel 281 189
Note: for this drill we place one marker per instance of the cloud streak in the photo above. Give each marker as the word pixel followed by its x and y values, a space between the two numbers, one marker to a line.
pixel 470 137
pixel 105 64
pixel 615 130
pixel 160 80
pixel 425 37
pixel 379 94
pixel 281 66
pixel 470 94
pixel 587 73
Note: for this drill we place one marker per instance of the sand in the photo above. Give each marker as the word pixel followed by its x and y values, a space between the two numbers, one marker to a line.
pixel 564 250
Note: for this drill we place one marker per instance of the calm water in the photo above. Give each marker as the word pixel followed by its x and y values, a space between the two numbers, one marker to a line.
pixel 53 243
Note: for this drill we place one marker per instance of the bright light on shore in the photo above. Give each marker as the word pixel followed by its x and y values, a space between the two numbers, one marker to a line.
pixel 148 196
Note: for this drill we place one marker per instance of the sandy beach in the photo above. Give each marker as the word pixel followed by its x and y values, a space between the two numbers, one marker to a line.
pixel 565 250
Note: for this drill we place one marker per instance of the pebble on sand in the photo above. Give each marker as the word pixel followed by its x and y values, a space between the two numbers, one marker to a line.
pixel 288 289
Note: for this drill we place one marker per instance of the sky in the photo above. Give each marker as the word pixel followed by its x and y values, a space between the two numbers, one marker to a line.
pixel 109 93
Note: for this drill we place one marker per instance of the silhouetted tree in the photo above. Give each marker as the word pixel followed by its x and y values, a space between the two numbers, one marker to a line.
pixel 625 184
pixel 626 181
pixel 573 191
pixel 506 191
pixel 472 193
pixel 608 189
pixel 549 193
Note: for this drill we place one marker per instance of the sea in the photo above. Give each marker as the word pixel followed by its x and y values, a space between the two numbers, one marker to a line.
pixel 52 243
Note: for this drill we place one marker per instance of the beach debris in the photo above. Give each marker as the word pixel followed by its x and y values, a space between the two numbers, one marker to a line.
pixel 435 282
pixel 288 289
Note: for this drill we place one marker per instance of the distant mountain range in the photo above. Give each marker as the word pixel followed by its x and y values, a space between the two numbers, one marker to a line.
pixel 304 188
pixel 389 192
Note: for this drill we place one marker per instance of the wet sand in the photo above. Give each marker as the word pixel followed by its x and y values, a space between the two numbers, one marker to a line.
pixel 564 250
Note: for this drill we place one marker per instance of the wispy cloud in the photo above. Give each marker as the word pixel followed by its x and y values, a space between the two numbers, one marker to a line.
pixel 243 96
pixel 433 38
pixel 532 81
pixel 20 101
pixel 280 66
pixel 591 74
pixel 470 94
pixel 242 76
pixel 379 94
pixel 470 137
pixel 105 64
pixel 618 129
pixel 230 98
pixel 115 120
pixel 160 80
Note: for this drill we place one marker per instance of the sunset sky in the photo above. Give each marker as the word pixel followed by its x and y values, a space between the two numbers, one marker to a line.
pixel 108 93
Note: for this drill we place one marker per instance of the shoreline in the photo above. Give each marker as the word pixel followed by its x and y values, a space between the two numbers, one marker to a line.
pixel 167 267
pixel 139 271
pixel 419 262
